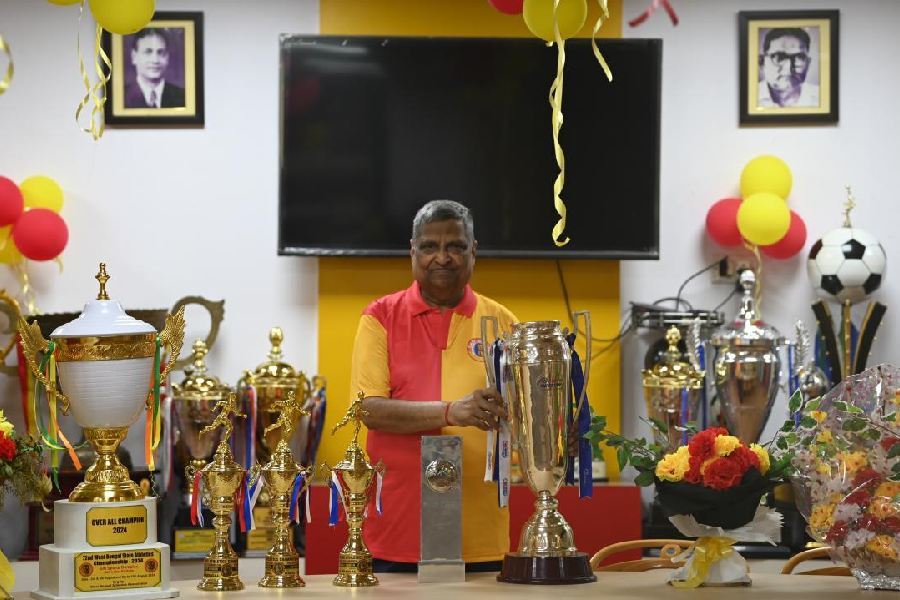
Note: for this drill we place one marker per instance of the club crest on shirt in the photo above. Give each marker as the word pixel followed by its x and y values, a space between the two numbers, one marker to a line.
pixel 476 349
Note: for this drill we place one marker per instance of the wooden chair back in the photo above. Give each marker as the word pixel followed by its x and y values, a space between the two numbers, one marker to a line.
pixel 810 555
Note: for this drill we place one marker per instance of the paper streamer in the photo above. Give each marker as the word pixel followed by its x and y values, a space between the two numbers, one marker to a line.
pixel 10 70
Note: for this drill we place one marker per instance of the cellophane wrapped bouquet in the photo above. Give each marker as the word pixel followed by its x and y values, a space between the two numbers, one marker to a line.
pixel 845 454
pixel 711 488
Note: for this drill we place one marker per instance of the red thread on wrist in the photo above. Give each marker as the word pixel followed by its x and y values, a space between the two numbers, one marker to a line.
pixel 447 415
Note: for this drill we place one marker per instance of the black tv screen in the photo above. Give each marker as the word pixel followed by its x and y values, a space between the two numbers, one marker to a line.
pixel 374 127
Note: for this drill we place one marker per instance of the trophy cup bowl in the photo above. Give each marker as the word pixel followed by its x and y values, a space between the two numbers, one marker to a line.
pixel 536 366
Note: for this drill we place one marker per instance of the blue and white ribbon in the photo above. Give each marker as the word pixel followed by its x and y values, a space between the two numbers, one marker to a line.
pixel 251 495
pixel 294 514
pixel 701 360
pixel 335 495
pixel 503 458
pixel 685 405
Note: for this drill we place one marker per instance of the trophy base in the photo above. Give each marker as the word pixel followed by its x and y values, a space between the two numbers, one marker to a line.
pixel 221 584
pixel 220 573
pixel 546 570
pixel 355 580
pixel 282 572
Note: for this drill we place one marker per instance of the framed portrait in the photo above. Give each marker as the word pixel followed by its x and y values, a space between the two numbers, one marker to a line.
pixel 788 66
pixel 157 73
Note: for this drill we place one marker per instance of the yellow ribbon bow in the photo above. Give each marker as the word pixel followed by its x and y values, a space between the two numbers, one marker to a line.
pixel 706 552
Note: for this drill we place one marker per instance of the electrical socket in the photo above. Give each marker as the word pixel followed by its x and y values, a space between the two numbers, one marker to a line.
pixel 729 268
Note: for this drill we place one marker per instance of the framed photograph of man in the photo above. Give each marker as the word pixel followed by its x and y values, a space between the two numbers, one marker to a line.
pixel 157 73
pixel 788 66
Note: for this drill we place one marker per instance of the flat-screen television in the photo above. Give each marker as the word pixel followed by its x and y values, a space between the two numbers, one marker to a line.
pixel 373 127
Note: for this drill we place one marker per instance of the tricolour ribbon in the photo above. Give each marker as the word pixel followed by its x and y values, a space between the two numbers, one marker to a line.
pixel 10 70
pixel 706 552
pixel 250 428
pixel 685 404
pixel 52 436
pixel 701 359
pixel 294 514
pixel 94 94
pixel 248 494
pixel 585 455
pixel 651 9
pixel 26 387
pixel 334 495
pixel 197 500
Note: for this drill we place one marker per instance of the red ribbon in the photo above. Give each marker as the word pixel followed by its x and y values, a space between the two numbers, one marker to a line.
pixel 23 385
pixel 651 9
pixel 195 498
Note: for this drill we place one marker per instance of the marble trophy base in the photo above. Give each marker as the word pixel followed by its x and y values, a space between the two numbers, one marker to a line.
pixel 546 570
pixel 442 571
pixel 102 551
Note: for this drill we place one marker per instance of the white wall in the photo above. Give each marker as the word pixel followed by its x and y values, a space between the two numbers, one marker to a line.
pixel 172 211
pixel 704 150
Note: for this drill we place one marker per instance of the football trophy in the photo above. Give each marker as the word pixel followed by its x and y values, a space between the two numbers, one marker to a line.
pixel 846 265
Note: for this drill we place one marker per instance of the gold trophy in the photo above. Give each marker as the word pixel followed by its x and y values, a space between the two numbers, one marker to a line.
pixel 222 478
pixel 355 475
pixel 280 473
pixel 271 381
pixel 193 401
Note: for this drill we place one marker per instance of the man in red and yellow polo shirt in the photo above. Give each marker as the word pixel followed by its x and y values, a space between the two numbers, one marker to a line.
pixel 418 360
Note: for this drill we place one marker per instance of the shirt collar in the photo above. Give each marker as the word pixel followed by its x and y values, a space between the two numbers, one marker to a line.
pixel 418 306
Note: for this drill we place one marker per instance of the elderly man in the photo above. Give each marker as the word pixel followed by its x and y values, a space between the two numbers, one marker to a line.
pixel 418 360
pixel 785 62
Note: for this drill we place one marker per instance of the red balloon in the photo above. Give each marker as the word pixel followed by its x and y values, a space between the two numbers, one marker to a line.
pixel 40 234
pixel 11 202
pixel 721 222
pixel 510 7
pixel 792 242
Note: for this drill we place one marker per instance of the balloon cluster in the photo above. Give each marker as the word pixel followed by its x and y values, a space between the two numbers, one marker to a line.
pixel 761 216
pixel 538 15
pixel 30 225
pixel 118 16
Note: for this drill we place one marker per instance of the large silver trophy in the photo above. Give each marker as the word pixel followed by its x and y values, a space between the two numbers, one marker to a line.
pixel 536 383
pixel 747 366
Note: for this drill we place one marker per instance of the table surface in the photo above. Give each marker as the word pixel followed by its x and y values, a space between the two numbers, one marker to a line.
pixel 649 586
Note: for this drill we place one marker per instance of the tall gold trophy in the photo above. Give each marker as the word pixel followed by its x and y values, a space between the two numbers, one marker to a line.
pixel 105 533
pixel 271 381
pixel 355 475
pixel 280 473
pixel 222 477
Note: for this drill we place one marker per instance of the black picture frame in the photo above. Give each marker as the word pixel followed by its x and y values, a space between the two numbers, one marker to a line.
pixel 809 37
pixel 179 101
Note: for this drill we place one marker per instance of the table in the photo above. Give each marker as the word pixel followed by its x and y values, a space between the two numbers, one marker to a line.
pixel 636 586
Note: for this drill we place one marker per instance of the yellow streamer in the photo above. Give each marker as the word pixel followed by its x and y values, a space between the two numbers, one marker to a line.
pixel 7 79
pixel 96 94
pixel 706 552
pixel 604 14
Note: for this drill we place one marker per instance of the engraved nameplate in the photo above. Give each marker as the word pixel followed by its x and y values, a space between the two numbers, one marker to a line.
pixel 116 526
pixel 117 570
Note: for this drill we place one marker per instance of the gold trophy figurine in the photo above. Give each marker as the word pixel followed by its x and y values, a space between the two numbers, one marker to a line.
pixel 222 477
pixel 355 476
pixel 282 560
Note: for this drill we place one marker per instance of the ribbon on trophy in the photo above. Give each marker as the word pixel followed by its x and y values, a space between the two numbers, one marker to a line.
pixel 53 435
pixel 153 428
pixel 197 500
pixel 169 444
pixel 7 79
pixel 585 455
pixel 94 94
pixel 379 481
pixel 294 514
pixel 26 387
pixel 250 429
pixel 499 450
pixel 335 494
pixel 705 552
pixel 248 494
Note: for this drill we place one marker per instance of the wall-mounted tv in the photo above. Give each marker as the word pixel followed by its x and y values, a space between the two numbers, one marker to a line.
pixel 373 127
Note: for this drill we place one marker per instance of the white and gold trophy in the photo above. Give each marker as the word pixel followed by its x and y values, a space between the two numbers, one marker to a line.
pixel 105 544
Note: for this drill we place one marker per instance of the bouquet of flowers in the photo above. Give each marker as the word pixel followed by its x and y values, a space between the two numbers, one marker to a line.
pixel 710 488
pixel 845 458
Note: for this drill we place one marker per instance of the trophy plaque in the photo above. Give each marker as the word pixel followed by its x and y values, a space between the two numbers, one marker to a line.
pixel 355 476
pixel 193 400
pixel 536 372
pixel 441 515
pixel 270 382
pixel 105 543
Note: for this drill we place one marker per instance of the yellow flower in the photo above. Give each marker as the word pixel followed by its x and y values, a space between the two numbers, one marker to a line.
pixel 883 545
pixel 818 415
pixel 673 466
pixel 882 508
pixel 763 456
pixel 822 517
pixel 823 468
pixel 6 428
pixel 825 437
pixel 888 489
pixel 726 444
pixel 852 461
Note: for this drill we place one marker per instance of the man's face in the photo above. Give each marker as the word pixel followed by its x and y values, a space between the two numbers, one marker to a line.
pixel 442 260
pixel 150 57
pixel 785 63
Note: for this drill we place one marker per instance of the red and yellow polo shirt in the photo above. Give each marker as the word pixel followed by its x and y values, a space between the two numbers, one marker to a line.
pixel 408 350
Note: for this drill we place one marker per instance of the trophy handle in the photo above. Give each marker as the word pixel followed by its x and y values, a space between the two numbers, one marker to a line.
pixel 587 358
pixel 33 342
pixel 173 336
pixel 216 310
pixel 10 308
pixel 488 347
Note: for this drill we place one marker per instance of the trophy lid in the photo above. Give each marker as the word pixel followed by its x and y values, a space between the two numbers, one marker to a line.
pixel 198 384
pixel 102 317
pixel 673 372
pixel 747 328
pixel 275 371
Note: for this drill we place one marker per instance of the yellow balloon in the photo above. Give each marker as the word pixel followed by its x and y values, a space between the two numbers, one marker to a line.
pixel 123 16
pixel 570 14
pixel 766 174
pixel 40 191
pixel 63 2
pixel 763 218
pixel 9 254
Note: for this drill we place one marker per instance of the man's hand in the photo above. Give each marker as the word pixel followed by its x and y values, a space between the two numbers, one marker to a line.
pixel 482 409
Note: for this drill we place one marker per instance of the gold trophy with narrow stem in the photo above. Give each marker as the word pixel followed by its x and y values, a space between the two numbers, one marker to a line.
pixel 280 473
pixel 222 477
pixel 355 475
